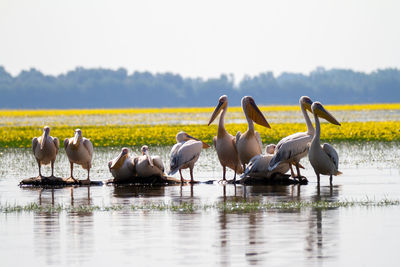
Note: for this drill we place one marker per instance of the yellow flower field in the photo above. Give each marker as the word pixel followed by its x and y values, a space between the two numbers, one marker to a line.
pixel 137 135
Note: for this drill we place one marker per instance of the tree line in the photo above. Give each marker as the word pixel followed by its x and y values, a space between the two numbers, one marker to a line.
pixel 105 88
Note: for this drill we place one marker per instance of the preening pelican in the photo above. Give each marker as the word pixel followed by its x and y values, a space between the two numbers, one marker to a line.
pixel 249 143
pixel 122 167
pixel 185 153
pixel 147 165
pixel 324 159
pixel 225 143
pixel 294 147
pixel 45 149
pixel 79 151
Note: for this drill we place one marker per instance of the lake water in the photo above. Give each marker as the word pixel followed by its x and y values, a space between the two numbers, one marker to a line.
pixel 357 235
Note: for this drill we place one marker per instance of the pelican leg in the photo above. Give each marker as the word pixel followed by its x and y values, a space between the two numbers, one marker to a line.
pixel 72 170
pixel 191 175
pixel 330 180
pixel 317 178
pixel 298 170
pixel 291 171
pixel 40 173
pixel 180 172
pixel 52 169
pixel 223 173
pixel 88 172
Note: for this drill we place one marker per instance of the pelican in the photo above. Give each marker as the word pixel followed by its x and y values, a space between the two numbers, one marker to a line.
pixel 249 143
pixel 258 165
pixel 185 153
pixel 324 159
pixel 294 147
pixel 147 165
pixel 225 143
pixel 79 151
pixel 122 167
pixel 45 149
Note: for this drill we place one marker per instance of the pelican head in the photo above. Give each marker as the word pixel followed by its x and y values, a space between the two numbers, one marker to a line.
pixel 119 160
pixel 306 102
pixel 320 111
pixel 46 133
pixel 222 103
pixel 145 152
pixel 183 137
pixel 270 149
pixel 77 137
pixel 253 112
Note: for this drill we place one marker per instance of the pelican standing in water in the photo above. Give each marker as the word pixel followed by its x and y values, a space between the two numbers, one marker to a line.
pixel 324 159
pixel 122 167
pixel 249 143
pixel 79 151
pixel 185 153
pixel 225 143
pixel 147 165
pixel 45 149
pixel 294 147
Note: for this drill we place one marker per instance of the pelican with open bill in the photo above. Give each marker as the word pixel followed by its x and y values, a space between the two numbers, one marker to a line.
pixel 225 143
pixel 324 159
pixel 185 153
pixel 249 143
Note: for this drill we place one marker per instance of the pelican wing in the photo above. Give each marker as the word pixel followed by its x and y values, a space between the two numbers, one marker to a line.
pixel 253 165
pixel 35 142
pixel 66 143
pixel 332 154
pixel 186 152
pixel 158 163
pixel 56 143
pixel 88 145
pixel 286 151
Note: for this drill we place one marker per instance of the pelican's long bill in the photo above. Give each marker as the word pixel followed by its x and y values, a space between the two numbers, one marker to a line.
pixel 221 105
pixel 255 114
pixel 43 141
pixel 323 113
pixel 119 160
pixel 146 152
pixel 205 145
pixel 76 138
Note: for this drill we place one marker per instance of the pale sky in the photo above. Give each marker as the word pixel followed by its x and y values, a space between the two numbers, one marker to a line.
pixel 199 38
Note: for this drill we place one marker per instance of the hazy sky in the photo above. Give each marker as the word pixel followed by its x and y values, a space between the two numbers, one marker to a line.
pixel 199 38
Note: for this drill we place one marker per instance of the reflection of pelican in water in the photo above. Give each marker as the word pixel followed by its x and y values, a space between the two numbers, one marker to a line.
pixel 185 153
pixel 147 165
pixel 45 149
pixel 249 143
pixel 324 159
pixel 79 151
pixel 122 167
pixel 225 143
pixel 294 147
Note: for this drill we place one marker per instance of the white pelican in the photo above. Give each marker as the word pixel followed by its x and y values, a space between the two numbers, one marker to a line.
pixel 324 159
pixel 147 165
pixel 225 143
pixel 249 143
pixel 294 147
pixel 45 149
pixel 185 153
pixel 79 151
pixel 122 167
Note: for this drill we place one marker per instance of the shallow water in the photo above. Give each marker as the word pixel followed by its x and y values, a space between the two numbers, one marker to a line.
pixel 359 235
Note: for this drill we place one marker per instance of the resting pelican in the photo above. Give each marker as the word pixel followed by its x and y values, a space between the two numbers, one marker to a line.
pixel 225 143
pixel 79 151
pixel 45 149
pixel 122 167
pixel 147 165
pixel 294 147
pixel 185 153
pixel 258 165
pixel 324 159
pixel 249 143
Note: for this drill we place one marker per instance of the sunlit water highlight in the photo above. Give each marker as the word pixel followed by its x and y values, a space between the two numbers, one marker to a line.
pixel 359 235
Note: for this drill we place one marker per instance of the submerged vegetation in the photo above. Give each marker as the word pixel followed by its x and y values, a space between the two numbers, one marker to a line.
pixel 185 207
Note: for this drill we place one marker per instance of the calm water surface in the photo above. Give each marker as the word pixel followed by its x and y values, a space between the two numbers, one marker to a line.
pixel 358 236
